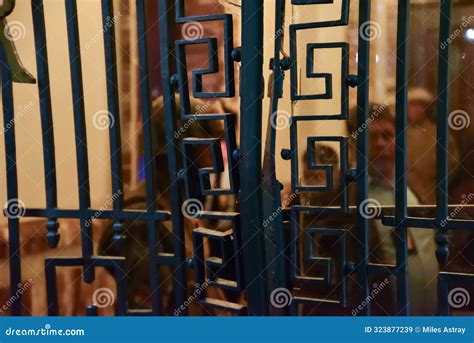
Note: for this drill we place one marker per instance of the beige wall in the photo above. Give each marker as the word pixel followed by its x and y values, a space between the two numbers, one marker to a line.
pixel 324 63
pixel 28 129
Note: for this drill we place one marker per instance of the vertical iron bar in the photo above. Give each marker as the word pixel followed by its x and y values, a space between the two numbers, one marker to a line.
pixel 121 306
pixel 166 15
pixel 80 135
pixel 51 287
pixel 275 245
pixel 114 114
pixel 92 311
pixel 251 152
pixel 442 112
pixel 401 156
pixel 442 252
pixel 12 183
pixel 46 119
pixel 443 294
pixel 362 223
pixel 148 152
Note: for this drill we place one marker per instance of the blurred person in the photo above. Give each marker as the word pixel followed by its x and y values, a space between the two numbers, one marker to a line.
pixel 135 247
pixel 422 264
pixel 422 138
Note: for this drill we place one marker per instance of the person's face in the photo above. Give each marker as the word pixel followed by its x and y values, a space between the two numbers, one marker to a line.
pixel 382 144
pixel 416 112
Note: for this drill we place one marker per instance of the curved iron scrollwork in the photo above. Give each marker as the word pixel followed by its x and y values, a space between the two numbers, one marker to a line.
pixel 17 70
pixel 223 270
pixel 281 63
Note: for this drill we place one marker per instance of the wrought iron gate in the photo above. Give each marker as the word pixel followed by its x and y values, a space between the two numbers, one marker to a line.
pixel 263 255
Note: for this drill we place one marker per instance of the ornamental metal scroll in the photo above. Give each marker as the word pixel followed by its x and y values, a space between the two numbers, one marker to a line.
pixel 7 38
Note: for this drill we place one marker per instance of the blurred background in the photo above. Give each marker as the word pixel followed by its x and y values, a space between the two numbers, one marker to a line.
pixel 424 43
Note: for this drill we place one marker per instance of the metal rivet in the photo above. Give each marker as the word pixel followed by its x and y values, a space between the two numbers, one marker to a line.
pixel 286 154
pixel 174 80
pixel 351 175
pixel 352 81
pixel 286 63
pixel 236 154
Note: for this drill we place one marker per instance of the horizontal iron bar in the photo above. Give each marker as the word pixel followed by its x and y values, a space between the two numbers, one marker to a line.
pixel 96 214
pixel 413 211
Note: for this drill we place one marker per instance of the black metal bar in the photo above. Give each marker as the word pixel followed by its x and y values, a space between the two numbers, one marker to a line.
pixel 165 13
pixel 46 120
pixel 250 151
pixel 80 134
pixel 148 152
pixel 362 224
pixel 108 24
pixel 442 251
pixel 51 287
pixel 401 156
pixel 274 232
